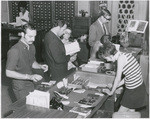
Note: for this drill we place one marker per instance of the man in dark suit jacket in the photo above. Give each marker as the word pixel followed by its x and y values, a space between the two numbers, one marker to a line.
pixel 99 28
pixel 55 52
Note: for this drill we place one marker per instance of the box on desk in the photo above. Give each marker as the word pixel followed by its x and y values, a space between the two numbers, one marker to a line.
pixel 38 98
pixel 97 78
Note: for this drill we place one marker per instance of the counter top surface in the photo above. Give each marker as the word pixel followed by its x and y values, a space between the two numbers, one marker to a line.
pixel 21 109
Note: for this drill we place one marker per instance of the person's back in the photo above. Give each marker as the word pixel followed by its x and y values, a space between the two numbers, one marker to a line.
pixel 132 71
pixel 55 54
pixel 50 42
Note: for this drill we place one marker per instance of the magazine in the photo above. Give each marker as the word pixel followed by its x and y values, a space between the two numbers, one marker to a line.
pixel 81 111
pixel 138 26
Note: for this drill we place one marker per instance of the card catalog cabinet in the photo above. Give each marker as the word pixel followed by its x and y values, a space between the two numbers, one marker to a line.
pixel 81 26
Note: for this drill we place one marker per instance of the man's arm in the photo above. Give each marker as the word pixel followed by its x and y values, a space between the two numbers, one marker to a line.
pixel 16 75
pixel 12 61
pixel 36 65
pixel 96 47
pixel 92 36
pixel 20 76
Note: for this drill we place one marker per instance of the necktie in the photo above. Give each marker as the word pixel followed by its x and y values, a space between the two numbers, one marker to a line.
pixel 105 30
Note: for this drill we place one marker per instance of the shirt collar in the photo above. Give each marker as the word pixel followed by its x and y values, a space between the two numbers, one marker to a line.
pixel 24 44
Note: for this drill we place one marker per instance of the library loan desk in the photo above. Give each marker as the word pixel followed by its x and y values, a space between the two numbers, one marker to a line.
pixel 22 110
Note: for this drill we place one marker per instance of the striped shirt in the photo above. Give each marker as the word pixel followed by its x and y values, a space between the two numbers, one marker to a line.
pixel 132 72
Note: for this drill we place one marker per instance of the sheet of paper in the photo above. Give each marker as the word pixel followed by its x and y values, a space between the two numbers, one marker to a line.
pixel 72 48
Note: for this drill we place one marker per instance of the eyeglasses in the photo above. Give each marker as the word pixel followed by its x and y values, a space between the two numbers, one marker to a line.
pixel 107 18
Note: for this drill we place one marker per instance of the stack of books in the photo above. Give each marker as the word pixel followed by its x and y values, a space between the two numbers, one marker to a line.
pixel 92 66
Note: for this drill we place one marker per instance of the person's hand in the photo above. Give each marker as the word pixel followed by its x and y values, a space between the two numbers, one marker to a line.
pixel 108 92
pixel 73 58
pixel 44 67
pixel 109 85
pixel 72 54
pixel 35 77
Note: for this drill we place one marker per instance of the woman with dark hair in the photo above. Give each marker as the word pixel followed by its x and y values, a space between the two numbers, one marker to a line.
pixel 104 39
pixel 135 93
pixel 24 14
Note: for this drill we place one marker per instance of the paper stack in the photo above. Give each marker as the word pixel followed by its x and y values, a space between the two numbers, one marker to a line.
pixel 72 48
pixel 92 66
pixel 38 98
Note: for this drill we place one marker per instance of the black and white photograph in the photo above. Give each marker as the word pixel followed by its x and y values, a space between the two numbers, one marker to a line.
pixel 74 59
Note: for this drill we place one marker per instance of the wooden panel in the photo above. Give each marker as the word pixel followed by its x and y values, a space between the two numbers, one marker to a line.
pixel 28 111
pixel 80 26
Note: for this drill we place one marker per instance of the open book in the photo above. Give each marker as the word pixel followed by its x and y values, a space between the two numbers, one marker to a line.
pixel 72 47
pixel 138 26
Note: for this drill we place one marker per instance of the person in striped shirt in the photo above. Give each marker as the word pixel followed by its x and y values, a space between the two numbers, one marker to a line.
pixel 135 93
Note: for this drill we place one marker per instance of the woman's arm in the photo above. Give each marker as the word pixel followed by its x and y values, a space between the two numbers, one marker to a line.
pixel 120 64
pixel 121 83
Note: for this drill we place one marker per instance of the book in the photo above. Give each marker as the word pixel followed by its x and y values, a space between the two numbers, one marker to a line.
pixel 81 111
pixel 38 98
pixel 72 47
pixel 138 26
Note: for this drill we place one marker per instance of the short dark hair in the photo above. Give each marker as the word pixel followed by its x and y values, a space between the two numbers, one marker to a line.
pixel 22 4
pixel 108 49
pixel 103 40
pixel 104 12
pixel 59 23
pixel 28 26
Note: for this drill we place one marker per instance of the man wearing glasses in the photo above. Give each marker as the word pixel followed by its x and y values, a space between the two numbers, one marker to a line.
pixel 99 28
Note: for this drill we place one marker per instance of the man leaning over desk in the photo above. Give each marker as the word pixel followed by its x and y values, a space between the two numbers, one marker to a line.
pixel 20 61
pixel 99 28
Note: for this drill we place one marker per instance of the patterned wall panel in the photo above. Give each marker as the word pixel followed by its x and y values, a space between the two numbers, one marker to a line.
pixel 65 10
pixel 15 11
pixel 42 14
pixel 125 12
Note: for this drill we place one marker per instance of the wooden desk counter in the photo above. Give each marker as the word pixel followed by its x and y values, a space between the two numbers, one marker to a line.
pixel 28 111
pixel 20 105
